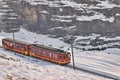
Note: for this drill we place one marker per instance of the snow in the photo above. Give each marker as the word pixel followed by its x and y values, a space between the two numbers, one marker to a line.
pixel 18 70
pixel 45 12
pixel 117 14
pixel 25 67
pixel 91 37
pixel 20 67
pixel 96 16
pixel 104 61
pixel 78 6
pixel 72 27
pixel 66 18
pixel 61 20
pixel 84 42
pixel 34 38
pixel 112 51
pixel 106 4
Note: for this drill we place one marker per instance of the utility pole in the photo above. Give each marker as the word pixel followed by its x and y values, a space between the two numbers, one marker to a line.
pixel 14 43
pixel 72 53
pixel 11 20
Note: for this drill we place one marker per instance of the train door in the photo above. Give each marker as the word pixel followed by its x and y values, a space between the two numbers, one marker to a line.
pixel 26 50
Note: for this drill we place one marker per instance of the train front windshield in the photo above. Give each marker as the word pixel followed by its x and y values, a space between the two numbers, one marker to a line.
pixel 68 55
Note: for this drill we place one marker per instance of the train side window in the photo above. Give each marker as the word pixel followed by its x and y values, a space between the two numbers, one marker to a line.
pixel 39 51
pixel 63 57
pixel 18 46
pixel 11 44
pixel 46 53
pixel 56 56
pixel 43 52
pixel 50 55
pixel 69 55
pixel 36 50
pixel 60 57
pixel 6 42
pixel 53 56
pixel 32 50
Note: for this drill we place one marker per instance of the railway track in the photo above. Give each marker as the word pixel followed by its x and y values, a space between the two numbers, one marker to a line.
pixel 92 71
pixel 95 72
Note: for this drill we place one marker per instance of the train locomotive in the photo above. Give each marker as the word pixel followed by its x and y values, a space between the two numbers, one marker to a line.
pixel 36 50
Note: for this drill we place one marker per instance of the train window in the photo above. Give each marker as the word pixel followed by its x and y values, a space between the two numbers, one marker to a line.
pixel 55 56
pixel 50 55
pixel 69 55
pixel 63 57
pixel 46 54
pixel 39 51
pixel 6 42
pixel 36 51
pixel 32 49
pixel 43 52
pixel 11 44
pixel 19 46
pixel 60 57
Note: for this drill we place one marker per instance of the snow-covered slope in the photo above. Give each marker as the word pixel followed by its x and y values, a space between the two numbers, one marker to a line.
pixel 14 69
pixel 20 67
pixel 36 38
pixel 105 61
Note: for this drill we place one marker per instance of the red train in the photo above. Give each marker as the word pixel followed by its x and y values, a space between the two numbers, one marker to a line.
pixel 38 51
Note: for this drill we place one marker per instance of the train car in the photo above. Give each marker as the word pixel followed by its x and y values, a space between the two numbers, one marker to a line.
pixel 39 51
pixel 20 46
pixel 49 53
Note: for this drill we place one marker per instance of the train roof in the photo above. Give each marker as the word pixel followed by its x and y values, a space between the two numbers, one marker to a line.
pixel 17 41
pixel 50 48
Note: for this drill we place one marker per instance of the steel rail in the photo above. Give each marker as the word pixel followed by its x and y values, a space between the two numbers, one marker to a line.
pixel 95 72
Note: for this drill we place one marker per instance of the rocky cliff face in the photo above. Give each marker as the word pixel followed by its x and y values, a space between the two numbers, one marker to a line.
pixel 60 18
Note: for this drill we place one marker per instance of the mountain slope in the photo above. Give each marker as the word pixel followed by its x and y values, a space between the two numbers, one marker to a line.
pixel 60 18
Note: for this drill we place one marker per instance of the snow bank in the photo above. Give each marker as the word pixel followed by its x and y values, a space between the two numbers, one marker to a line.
pixel 14 69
